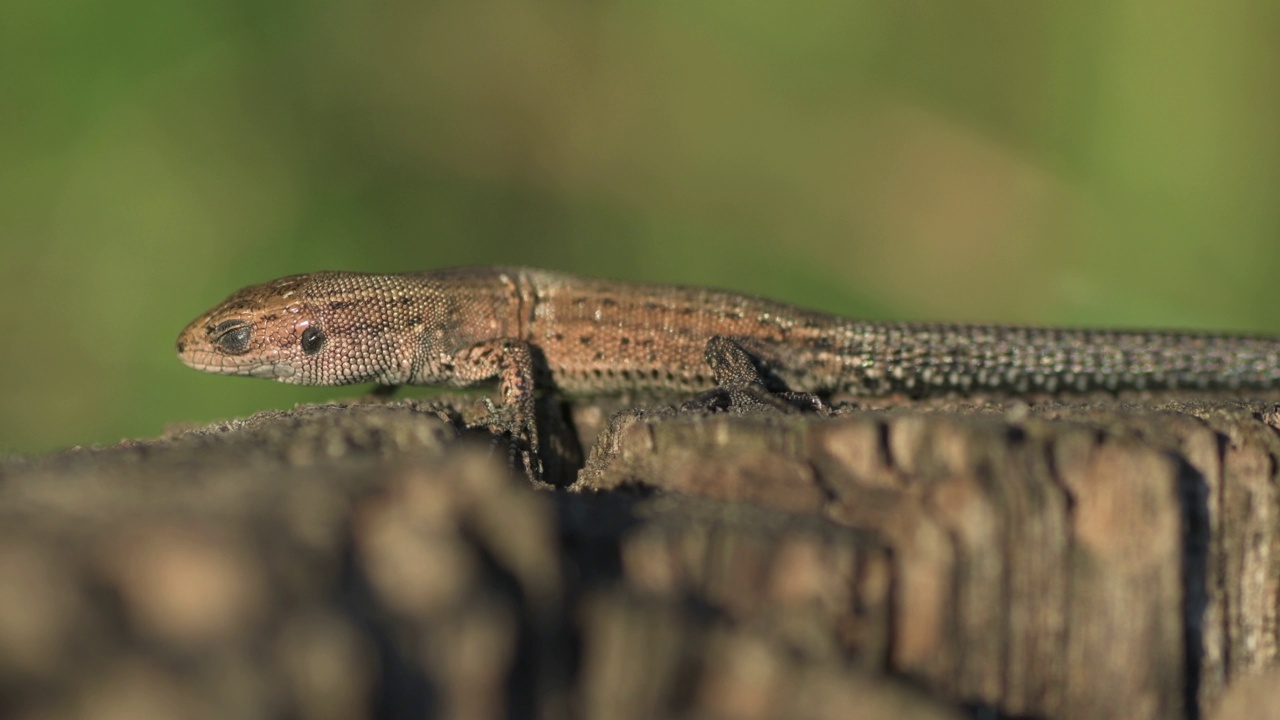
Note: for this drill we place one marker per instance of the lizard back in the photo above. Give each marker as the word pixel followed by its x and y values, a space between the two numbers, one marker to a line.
pixel 601 336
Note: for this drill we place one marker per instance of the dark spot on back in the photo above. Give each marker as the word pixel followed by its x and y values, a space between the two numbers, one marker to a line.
pixel 585 339
pixel 822 343
pixel 340 304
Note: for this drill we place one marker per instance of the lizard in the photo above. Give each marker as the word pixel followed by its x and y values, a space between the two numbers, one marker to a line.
pixel 533 330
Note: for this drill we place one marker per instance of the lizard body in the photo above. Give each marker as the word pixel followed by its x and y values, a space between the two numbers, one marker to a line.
pixel 528 328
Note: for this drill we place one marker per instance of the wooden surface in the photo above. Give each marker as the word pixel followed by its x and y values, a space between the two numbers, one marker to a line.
pixel 1103 558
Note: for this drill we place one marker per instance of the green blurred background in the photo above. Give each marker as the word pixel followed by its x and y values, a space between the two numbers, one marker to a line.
pixel 1087 163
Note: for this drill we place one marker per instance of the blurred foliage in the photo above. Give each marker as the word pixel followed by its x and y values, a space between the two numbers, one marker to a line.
pixel 1091 162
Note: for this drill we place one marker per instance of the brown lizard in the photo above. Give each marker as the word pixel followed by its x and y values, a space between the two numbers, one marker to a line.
pixel 533 329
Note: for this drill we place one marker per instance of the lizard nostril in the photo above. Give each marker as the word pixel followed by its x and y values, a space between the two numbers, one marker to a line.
pixel 181 346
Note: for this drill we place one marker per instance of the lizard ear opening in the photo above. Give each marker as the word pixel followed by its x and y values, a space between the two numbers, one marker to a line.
pixel 232 336
pixel 313 340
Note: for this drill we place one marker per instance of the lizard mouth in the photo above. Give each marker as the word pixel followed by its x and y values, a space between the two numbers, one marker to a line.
pixel 214 363
pixel 273 371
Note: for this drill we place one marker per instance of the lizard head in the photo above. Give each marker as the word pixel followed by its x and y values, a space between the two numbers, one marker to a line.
pixel 302 329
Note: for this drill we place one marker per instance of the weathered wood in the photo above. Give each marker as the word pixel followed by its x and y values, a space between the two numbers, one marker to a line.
pixel 1061 560
pixel 1098 559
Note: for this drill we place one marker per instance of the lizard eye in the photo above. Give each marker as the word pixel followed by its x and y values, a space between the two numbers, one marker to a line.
pixel 232 336
pixel 312 340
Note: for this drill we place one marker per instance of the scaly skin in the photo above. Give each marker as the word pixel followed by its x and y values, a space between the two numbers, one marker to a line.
pixel 531 328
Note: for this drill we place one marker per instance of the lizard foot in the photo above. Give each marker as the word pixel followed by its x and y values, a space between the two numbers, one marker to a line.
pixel 741 384
pixel 514 434
pixel 754 397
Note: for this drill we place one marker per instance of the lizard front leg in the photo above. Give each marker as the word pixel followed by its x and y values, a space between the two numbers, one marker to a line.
pixel 741 383
pixel 512 362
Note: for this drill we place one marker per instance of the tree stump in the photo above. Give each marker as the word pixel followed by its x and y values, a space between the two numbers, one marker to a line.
pixel 1107 557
